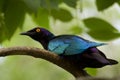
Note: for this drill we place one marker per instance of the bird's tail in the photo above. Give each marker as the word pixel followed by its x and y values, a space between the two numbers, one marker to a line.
pixel 112 62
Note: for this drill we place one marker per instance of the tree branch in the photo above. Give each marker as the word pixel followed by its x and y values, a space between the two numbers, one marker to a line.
pixel 49 56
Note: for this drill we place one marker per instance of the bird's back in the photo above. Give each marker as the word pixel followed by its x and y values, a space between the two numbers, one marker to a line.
pixel 70 44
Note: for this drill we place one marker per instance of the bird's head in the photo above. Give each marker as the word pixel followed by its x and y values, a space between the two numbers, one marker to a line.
pixel 38 34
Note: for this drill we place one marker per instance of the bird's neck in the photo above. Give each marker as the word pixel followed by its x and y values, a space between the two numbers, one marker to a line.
pixel 44 44
pixel 45 40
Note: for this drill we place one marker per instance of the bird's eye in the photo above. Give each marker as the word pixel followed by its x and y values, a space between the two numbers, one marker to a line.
pixel 37 30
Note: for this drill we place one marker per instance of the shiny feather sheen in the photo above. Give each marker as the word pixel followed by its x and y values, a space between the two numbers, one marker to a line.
pixel 70 45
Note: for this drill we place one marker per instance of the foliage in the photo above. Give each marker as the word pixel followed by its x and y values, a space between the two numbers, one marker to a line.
pixel 12 15
pixel 103 4
pixel 100 28
pixel 60 16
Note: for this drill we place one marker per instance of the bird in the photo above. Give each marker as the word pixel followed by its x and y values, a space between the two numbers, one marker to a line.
pixel 72 47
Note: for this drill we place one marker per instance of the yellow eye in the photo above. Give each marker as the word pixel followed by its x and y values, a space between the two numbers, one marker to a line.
pixel 37 30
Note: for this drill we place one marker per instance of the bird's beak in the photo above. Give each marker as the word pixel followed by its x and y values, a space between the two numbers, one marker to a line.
pixel 24 33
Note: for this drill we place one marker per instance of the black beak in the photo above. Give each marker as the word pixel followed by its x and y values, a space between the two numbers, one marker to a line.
pixel 24 33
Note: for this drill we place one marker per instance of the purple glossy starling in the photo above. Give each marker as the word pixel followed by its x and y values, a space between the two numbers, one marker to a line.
pixel 71 47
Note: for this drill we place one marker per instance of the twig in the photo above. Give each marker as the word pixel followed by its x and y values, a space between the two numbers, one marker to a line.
pixel 49 56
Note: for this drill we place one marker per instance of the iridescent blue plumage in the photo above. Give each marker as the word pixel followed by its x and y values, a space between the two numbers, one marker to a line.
pixel 70 45
pixel 73 48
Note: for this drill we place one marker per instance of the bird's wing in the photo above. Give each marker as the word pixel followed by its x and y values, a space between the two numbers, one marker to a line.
pixel 57 46
pixel 70 45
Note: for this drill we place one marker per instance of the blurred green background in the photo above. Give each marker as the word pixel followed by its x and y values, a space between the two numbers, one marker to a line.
pixel 95 20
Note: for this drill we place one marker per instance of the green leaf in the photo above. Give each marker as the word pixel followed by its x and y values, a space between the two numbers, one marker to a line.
pixel 104 35
pixel 49 4
pixel 42 18
pixel 118 1
pixel 61 14
pixel 71 3
pixel 100 29
pixel 46 4
pixel 14 16
pixel 1 5
pixel 76 29
pixel 33 5
pixel 2 33
pixel 103 4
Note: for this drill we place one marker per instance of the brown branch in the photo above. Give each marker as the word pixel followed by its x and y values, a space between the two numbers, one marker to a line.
pixel 49 56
